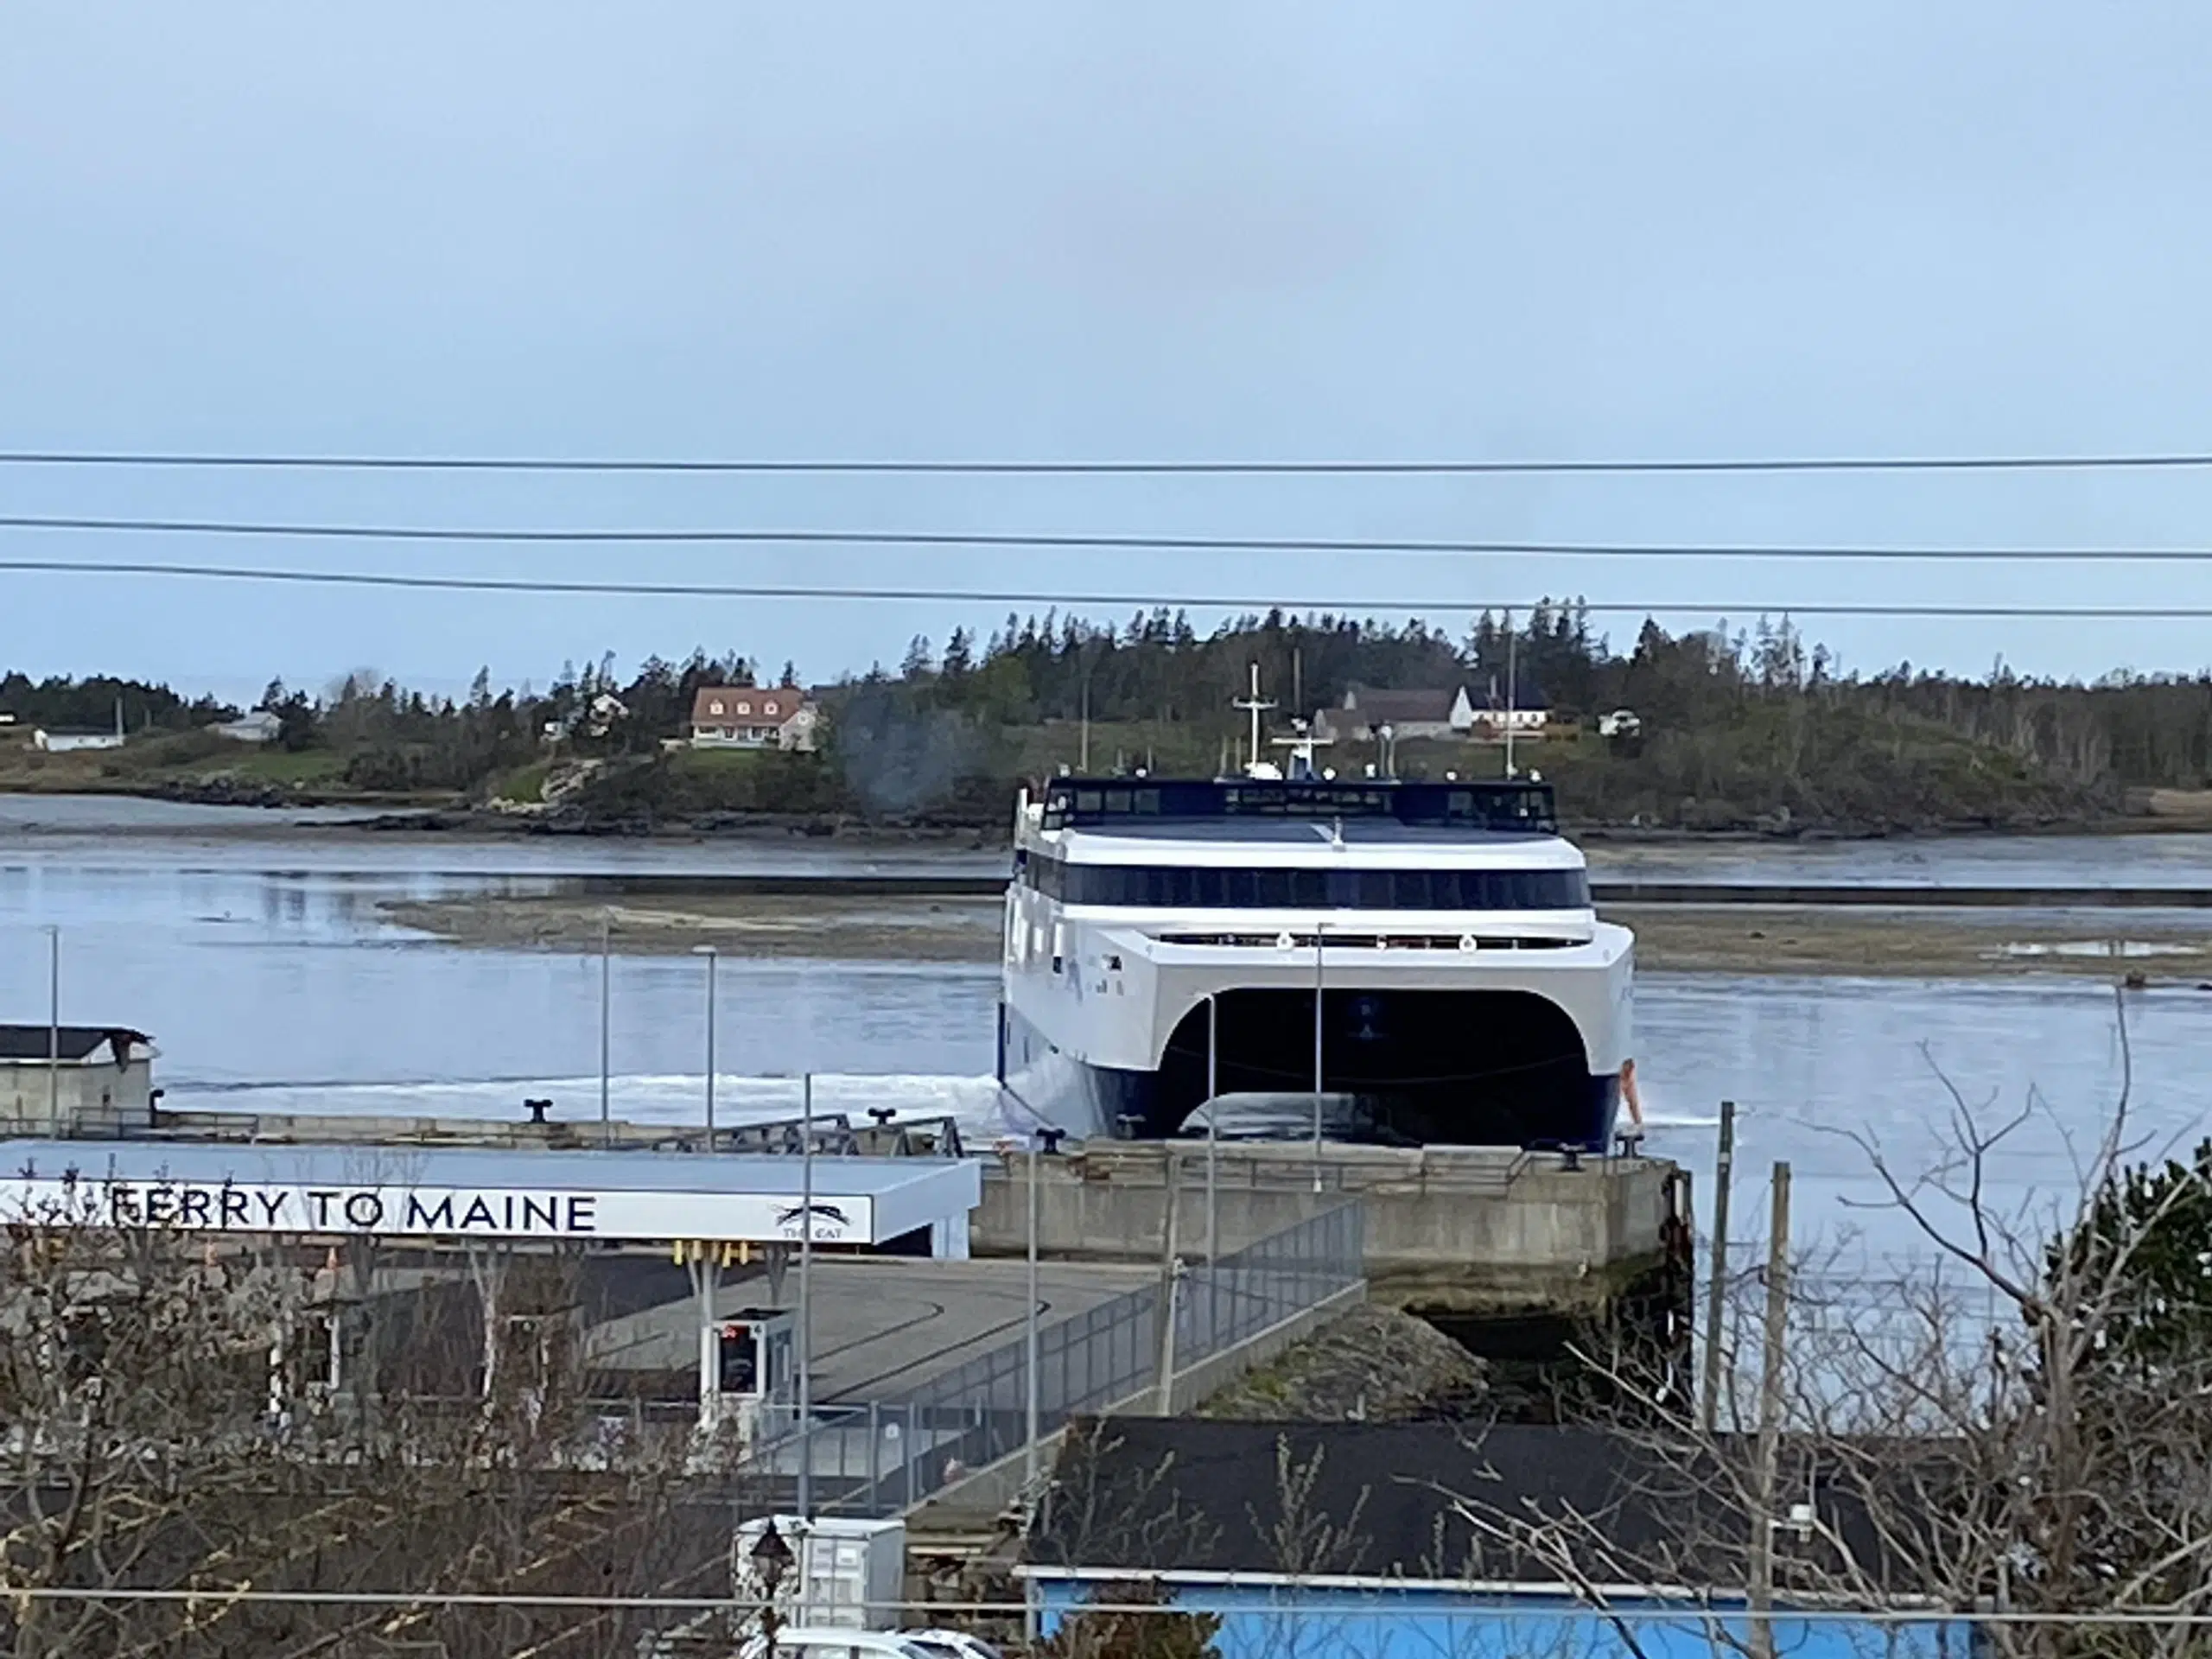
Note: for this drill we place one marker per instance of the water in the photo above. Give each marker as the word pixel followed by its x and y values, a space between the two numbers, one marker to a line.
pixel 271 984
pixel 2182 859
pixel 117 832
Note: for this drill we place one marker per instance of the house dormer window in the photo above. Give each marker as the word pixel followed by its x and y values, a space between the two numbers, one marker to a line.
pixel 715 706
pixel 744 708
pixel 768 707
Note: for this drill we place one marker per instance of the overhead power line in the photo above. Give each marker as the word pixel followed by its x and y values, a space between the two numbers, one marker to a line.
pixel 2178 461
pixel 1416 548
pixel 1361 603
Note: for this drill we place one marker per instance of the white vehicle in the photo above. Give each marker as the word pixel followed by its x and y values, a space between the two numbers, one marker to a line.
pixel 830 1642
pixel 1167 942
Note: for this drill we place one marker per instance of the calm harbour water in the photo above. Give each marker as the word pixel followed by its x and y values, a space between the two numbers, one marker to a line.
pixel 265 973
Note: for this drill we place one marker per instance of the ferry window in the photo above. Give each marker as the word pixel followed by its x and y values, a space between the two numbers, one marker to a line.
pixel 1199 887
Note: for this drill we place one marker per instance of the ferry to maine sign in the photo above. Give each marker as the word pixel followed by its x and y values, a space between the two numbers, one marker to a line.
pixel 430 1211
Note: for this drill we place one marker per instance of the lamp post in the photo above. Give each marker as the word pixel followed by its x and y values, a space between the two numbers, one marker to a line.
pixel 54 1028
pixel 1317 1056
pixel 712 956
pixel 1213 1138
pixel 1031 1402
pixel 772 1559
pixel 605 1023
pixel 1512 673
pixel 806 1298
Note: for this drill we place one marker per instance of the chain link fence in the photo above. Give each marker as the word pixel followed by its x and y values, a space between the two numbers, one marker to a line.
pixel 884 1457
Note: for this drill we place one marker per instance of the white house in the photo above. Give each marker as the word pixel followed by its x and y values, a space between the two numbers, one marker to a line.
pixel 1525 711
pixel 1620 722
pixel 76 1079
pixel 70 742
pixel 753 717
pixel 64 742
pixel 259 727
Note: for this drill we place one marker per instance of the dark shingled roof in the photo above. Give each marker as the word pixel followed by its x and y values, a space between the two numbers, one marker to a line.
pixel 1422 1501
pixel 78 1042
pixel 1376 706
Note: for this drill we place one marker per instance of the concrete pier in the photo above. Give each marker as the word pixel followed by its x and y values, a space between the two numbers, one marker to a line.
pixel 1450 1230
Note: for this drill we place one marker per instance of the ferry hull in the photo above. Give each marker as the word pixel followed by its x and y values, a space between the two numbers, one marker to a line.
pixel 1383 1084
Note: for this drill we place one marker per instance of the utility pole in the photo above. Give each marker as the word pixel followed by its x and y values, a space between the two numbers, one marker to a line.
pixel 1761 1596
pixel 1716 1296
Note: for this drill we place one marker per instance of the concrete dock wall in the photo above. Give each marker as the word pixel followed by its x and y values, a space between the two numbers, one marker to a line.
pixel 1448 1230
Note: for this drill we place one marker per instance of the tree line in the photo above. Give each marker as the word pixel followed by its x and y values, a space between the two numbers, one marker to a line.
pixel 1736 723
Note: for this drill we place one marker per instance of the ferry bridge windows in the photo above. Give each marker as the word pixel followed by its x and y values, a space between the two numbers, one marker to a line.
pixel 1516 806
pixel 1201 887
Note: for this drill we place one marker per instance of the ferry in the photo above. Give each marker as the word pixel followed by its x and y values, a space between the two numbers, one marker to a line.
pixel 1419 960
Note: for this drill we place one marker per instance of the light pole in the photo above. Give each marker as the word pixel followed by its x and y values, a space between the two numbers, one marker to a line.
pixel 605 1023
pixel 1512 668
pixel 711 954
pixel 1213 1139
pixel 806 1298
pixel 1317 1057
pixel 53 1029
pixel 1031 1394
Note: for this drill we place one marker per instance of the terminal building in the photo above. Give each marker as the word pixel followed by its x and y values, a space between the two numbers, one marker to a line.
pixel 76 1080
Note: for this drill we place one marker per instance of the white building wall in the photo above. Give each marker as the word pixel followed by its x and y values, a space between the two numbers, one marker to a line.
pixel 93 1096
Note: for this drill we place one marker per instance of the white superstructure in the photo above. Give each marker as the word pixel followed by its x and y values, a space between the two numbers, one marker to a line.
pixel 1165 941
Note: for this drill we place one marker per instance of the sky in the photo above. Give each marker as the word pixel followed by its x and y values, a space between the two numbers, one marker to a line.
pixel 1417 230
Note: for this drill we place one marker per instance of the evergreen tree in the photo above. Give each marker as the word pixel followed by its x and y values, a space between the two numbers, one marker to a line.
pixel 1121 1621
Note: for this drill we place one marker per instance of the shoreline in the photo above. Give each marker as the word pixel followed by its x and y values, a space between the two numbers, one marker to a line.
pixel 1780 940
pixel 385 818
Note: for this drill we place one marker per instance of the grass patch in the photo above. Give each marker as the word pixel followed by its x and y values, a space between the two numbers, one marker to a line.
pixel 524 786
pixel 293 766
pixel 718 763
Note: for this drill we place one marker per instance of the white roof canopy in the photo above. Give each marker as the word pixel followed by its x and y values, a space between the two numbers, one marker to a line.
pixel 467 1192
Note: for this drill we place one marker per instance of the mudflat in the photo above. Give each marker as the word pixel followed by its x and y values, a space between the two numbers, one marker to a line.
pixel 1723 939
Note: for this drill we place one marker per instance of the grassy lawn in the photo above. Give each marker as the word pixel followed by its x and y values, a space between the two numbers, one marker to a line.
pixel 320 768
pixel 717 763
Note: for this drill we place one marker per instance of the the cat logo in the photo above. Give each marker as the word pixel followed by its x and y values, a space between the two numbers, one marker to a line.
pixel 829 1222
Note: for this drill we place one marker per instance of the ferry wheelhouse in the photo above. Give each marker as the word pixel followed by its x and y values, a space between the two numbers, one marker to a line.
pixel 1422 956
